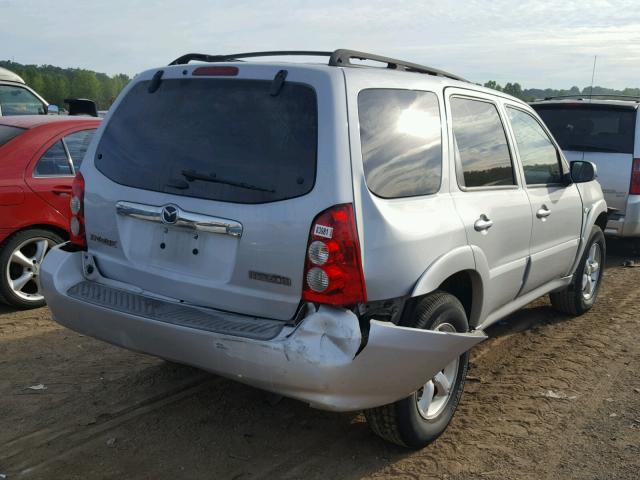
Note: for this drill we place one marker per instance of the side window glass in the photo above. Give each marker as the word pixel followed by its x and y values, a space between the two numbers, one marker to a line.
pixel 19 101
pixel 54 162
pixel 77 144
pixel 400 134
pixel 538 155
pixel 481 144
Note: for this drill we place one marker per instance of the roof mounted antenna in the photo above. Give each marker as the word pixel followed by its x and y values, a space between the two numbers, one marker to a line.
pixel 593 74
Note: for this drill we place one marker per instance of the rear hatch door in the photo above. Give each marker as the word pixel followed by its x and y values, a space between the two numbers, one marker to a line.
pixel 204 183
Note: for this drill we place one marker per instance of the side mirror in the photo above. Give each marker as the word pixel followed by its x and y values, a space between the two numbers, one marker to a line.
pixel 582 172
pixel 53 110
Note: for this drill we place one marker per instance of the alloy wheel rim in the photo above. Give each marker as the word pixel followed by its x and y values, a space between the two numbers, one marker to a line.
pixel 591 272
pixel 433 396
pixel 23 269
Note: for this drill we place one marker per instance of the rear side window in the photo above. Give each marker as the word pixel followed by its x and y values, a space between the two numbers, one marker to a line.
pixel 217 139
pixel 19 101
pixel 77 144
pixel 538 155
pixel 401 139
pixel 480 144
pixel 590 128
pixel 8 133
pixel 54 162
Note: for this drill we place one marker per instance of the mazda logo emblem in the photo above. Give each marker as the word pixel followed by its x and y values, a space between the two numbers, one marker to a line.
pixel 169 214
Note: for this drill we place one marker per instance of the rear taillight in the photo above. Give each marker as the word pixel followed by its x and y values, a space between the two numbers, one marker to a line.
pixel 634 187
pixel 333 268
pixel 76 224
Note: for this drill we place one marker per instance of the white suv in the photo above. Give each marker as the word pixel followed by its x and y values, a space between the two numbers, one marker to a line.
pixel 340 234
pixel 16 98
pixel 605 130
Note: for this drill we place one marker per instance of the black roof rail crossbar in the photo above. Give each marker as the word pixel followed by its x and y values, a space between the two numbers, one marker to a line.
pixel 203 57
pixel 337 58
pixel 598 95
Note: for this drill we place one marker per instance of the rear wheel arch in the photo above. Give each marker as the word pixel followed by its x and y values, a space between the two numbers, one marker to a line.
pixel 466 286
pixel 601 221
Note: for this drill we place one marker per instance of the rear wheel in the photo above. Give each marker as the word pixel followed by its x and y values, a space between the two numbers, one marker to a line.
pixel 420 418
pixel 580 295
pixel 20 260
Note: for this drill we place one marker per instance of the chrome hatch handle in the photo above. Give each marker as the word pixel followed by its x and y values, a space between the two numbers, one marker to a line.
pixel 172 215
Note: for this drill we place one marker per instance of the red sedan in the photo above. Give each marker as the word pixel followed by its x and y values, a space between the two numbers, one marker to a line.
pixel 39 156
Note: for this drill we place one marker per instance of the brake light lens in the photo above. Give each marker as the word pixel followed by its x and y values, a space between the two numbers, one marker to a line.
pixel 333 267
pixel 216 71
pixel 634 187
pixel 76 224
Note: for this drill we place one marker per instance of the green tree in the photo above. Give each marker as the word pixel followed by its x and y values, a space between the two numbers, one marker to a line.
pixel 494 85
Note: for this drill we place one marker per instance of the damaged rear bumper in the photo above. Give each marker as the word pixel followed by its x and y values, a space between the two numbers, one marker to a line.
pixel 318 361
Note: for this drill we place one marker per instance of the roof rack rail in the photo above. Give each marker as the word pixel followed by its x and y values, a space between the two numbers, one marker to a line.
pixel 337 58
pixel 588 96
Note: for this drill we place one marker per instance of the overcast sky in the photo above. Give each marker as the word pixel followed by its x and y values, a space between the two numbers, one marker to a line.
pixel 537 43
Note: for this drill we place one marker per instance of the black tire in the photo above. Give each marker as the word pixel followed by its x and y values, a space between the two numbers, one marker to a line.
pixel 401 422
pixel 7 294
pixel 571 300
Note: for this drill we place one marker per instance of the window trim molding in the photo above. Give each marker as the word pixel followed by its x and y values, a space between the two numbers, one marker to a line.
pixel 66 147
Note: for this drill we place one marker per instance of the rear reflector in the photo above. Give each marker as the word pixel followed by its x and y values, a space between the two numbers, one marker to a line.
pixel 333 268
pixel 216 71
pixel 634 187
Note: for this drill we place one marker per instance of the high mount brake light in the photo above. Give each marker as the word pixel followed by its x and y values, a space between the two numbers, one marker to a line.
pixel 216 71
pixel 634 186
pixel 333 267
pixel 76 224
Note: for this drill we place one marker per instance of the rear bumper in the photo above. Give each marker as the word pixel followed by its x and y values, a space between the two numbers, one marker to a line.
pixel 318 361
pixel 627 224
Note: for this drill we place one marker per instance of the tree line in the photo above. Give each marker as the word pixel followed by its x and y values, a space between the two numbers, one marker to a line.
pixel 56 84
pixel 530 94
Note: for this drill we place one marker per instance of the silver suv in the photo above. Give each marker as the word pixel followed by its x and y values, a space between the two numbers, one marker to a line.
pixel 603 129
pixel 340 234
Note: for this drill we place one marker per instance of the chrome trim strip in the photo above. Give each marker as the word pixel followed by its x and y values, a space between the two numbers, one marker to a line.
pixel 190 220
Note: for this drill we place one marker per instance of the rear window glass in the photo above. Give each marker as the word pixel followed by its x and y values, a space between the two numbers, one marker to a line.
pixel 400 133
pixel 590 128
pixel 217 139
pixel 7 133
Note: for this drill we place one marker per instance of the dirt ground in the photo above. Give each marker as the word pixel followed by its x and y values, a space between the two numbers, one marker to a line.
pixel 548 397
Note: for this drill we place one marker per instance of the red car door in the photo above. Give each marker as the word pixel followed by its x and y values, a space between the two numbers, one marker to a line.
pixel 52 169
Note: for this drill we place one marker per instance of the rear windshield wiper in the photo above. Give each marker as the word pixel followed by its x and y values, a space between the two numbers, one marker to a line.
pixel 192 175
pixel 591 148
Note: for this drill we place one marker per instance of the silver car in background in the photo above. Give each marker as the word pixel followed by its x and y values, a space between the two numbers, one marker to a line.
pixel 604 130
pixel 337 233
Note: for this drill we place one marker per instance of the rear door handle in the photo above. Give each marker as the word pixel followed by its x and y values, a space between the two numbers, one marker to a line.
pixel 543 212
pixel 61 190
pixel 482 224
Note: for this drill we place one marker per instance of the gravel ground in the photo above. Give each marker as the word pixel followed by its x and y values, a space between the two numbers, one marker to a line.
pixel 548 397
